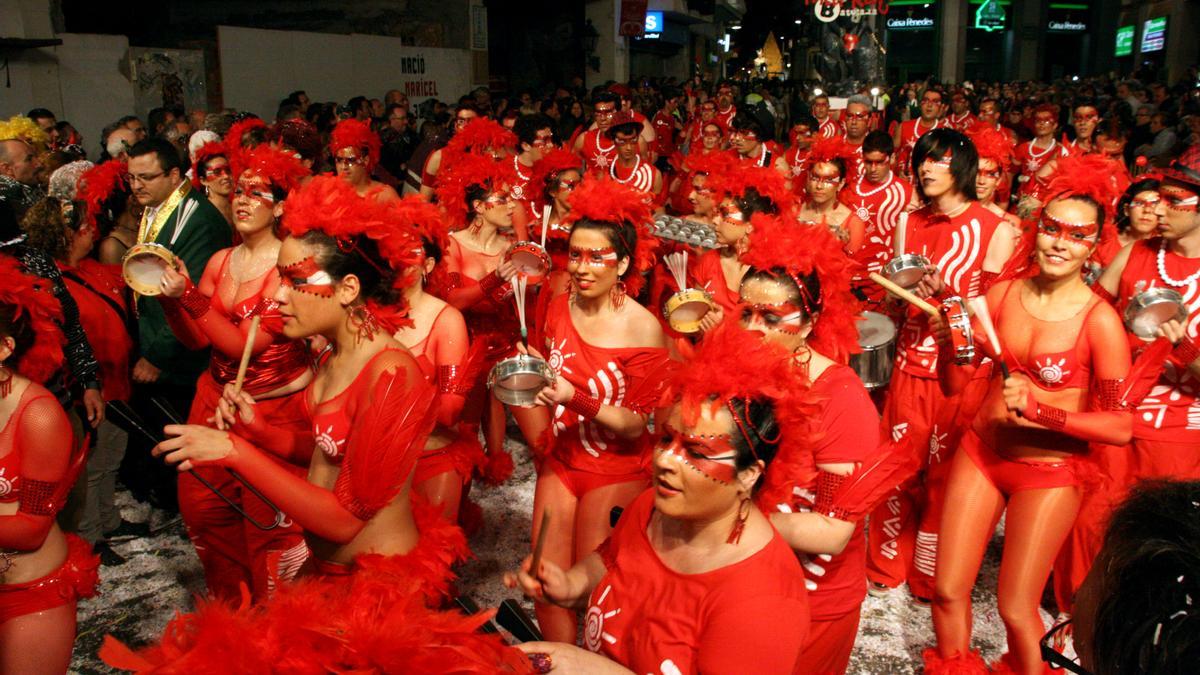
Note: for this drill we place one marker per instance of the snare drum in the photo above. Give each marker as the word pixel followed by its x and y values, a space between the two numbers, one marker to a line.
pixel 685 309
pixel 518 379
pixel 530 259
pixel 954 311
pixel 1152 308
pixel 906 270
pixel 143 266
pixel 877 338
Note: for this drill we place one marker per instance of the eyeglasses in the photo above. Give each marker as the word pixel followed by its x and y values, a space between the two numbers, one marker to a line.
pixel 348 161
pixel 218 171
pixel 143 178
pixel 1056 659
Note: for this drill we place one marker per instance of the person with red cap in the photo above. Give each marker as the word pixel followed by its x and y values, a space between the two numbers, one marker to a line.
pixel 355 149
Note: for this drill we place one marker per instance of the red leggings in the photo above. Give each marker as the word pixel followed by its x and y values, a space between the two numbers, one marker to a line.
pixel 827 650
pixel 232 550
pixel 76 578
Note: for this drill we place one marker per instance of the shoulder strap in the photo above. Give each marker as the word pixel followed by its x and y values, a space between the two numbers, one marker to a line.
pixel 116 307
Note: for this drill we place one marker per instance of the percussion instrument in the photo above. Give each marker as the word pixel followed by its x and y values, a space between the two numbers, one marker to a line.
pixel 877 338
pixel 530 259
pixel 143 266
pixel 518 379
pixel 684 310
pixel 1152 308
pixel 691 232
pixel 962 337
pixel 906 270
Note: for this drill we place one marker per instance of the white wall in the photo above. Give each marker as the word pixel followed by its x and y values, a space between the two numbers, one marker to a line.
pixel 260 67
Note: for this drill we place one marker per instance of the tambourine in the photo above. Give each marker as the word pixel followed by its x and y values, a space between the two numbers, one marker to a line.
pixel 530 259
pixel 954 310
pixel 518 379
pixel 906 270
pixel 143 267
pixel 684 310
pixel 1152 308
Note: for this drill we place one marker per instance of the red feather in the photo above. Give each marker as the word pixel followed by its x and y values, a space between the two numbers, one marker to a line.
pixel 203 154
pixel 357 135
pixel 32 299
pixel 895 463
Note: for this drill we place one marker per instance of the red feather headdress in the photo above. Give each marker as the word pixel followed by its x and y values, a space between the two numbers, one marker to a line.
pixel 607 201
pixel 829 149
pixel 466 170
pixel 801 250
pixel 298 135
pixel 480 135
pixel 549 166
pixel 330 205
pixel 233 137
pixel 280 169
pixel 421 218
pixel 768 182
pixel 357 135
pixel 205 153
pixel 992 143
pixel 98 183
pixel 714 164
pixel 33 299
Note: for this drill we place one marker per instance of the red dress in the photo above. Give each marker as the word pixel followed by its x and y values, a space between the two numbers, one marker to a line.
pixel 1029 160
pixel 710 276
pixel 749 616
pixel 104 312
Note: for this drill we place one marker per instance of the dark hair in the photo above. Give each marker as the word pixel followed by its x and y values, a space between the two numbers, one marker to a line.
pixel 963 165
pixel 467 104
pixel 168 154
pixel 45 227
pixel 1146 621
pixel 126 120
pixel 551 182
pixel 878 141
pixel 294 97
pixel 1086 199
pixel 622 237
pixel 744 121
pixel 810 298
pixel 391 107
pixel 527 126
pixel 755 435
pixel 606 97
pixel 634 128
pixel 287 111
pixel 807 120
pixel 15 323
pixel 362 259
pixel 431 249
pixel 41 113
pixel 1132 191
pixel 355 104
pixel 751 202
pixel 156 118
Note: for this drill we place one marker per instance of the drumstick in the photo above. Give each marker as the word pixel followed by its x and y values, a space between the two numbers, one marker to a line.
pixel 545 223
pixel 904 294
pixel 978 305
pixel 241 373
pixel 539 544
pixel 518 284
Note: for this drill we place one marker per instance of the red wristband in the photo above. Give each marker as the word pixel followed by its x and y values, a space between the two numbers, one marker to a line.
pixel 494 288
pixel 1186 352
pixel 1051 417
pixel 585 406
pixel 195 303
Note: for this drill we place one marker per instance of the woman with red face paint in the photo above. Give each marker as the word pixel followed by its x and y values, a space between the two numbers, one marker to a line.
pixel 1025 452
pixel 995 161
pixel 355 150
pixel 43 572
pixel 377 555
pixel 212 173
pixel 693 578
pixel 797 295
pixel 610 357
pixel 237 285
pixel 709 146
pixel 828 161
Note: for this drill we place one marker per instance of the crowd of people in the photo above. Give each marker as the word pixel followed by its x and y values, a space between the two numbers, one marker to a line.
pixel 770 350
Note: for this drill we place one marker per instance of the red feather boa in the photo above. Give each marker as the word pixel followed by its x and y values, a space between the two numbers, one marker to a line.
pixel 33 299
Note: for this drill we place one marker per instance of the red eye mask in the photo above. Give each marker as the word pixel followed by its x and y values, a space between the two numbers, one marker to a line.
pixel 305 276
pixel 712 456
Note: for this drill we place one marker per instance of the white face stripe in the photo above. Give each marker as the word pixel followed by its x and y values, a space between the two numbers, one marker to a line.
pixel 321 278
pixel 793 317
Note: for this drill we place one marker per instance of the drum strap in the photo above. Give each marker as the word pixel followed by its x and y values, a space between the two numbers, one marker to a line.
pixel 116 307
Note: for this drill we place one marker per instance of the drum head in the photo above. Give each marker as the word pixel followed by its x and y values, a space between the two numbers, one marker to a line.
pixel 875 330
pixel 522 382
pixel 908 277
pixel 146 271
pixel 1145 324
pixel 526 262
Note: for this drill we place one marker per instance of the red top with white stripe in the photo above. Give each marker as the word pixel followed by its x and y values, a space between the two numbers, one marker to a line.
pixel 880 207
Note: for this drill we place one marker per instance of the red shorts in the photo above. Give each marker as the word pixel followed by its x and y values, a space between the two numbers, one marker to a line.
pixel 461 456
pixel 580 482
pixel 76 578
pixel 1014 475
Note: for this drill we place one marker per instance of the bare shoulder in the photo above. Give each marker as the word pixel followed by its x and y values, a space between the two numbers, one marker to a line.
pixel 642 328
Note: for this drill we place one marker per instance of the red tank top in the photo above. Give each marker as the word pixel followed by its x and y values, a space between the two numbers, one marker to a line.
pixel 629 377
pixel 1170 412
pixel 598 152
pixel 711 277
pixel 103 311
pixel 10 462
pixel 652 619
pixel 957 247
pixel 1061 362
pixel 332 419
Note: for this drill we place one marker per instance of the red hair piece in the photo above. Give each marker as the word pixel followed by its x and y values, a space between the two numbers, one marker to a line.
pixel 713 164
pixel 357 135
pixel 298 135
pixel 768 182
pixel 233 137
pixel 480 135
pixel 805 249
pixel 330 205
pixel 992 143
pixel 828 149
pixel 457 177
pixel 1086 174
pixel 280 169
pixel 419 217
pixel 32 298
pixel 98 183
pixel 205 153
pixel 607 201
pixel 550 165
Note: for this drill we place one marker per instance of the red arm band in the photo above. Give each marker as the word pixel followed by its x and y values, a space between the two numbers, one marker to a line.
pixel 45 441
pixel 448 337
pixel 827 487
pixel 1186 352
pixel 183 326
pixel 986 279
pixel 1110 427
pixel 494 288
pixel 584 405
pixel 452 391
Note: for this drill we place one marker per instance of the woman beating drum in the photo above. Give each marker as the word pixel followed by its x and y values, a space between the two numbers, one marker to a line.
pixel 1025 452
pixel 609 357
pixel 231 305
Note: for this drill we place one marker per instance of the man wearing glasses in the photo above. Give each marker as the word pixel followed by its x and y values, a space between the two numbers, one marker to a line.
pixel 462 117
pixel 535 138
pixel 597 149
pixel 907 134
pixel 1032 155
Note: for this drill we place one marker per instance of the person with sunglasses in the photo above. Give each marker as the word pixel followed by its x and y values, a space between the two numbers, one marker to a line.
pixel 1034 154
pixel 463 114
pixel 931 105
pixel 355 150
pixel 1025 451
pixel 212 173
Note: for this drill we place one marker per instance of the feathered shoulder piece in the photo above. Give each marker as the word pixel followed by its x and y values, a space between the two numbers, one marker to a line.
pixel 233 137
pixel 33 300
pixel 829 149
pixel 205 153
pixel 98 184
pixel 799 250
pixel 480 136
pixel 713 164
pixel 992 143
pixel 420 218
pixel 607 201
pixel 358 135
pixel 456 177
pixel 280 169
pixel 550 165
pixel 767 181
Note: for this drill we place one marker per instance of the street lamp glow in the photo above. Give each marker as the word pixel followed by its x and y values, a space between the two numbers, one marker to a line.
pixel 874 91
pixel 817 91
pixel 797 22
pixel 736 26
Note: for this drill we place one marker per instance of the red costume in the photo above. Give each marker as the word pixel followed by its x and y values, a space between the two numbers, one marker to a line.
pixel 99 292
pixel 880 207
pixel 962 122
pixel 910 132
pixel 830 128
pixel 766 156
pixel 1030 159
pixel 915 405
pixel 641 177
pixel 664 133
pixel 599 152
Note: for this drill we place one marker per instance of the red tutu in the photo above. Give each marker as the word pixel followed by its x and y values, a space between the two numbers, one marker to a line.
pixel 375 619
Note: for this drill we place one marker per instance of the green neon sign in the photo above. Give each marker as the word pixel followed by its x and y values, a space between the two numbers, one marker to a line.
pixel 990 16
